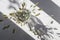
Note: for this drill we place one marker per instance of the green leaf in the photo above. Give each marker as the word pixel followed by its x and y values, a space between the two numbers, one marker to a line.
pixel 6 27
pixel 13 31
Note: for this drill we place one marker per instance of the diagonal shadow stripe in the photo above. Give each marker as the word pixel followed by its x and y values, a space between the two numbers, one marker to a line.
pixel 7 33
pixel 50 8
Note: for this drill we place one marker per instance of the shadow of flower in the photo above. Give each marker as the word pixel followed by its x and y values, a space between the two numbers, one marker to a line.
pixel 37 27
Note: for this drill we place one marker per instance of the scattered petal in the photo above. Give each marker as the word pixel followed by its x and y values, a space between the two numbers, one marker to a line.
pixel 10 17
pixel 23 4
pixel 14 19
pixel 52 22
pixel 6 27
pixel 51 32
pixel 42 39
pixel 31 5
pixel 55 29
pixel 58 36
pixel 33 9
pixel 34 12
pixel 58 33
pixel 37 14
pixel 1 20
pixel 39 9
pixel 13 31
pixel 49 28
pixel 5 16
pixel 20 8
pixel 36 4
pixel 11 14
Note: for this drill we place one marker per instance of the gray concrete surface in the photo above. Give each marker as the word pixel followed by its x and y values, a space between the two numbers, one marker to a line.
pixel 50 8
pixel 7 33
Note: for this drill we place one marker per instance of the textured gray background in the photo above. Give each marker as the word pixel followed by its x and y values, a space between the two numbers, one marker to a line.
pixel 7 33
pixel 50 8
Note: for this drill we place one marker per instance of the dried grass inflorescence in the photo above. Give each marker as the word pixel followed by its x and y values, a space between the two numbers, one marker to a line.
pixel 22 14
